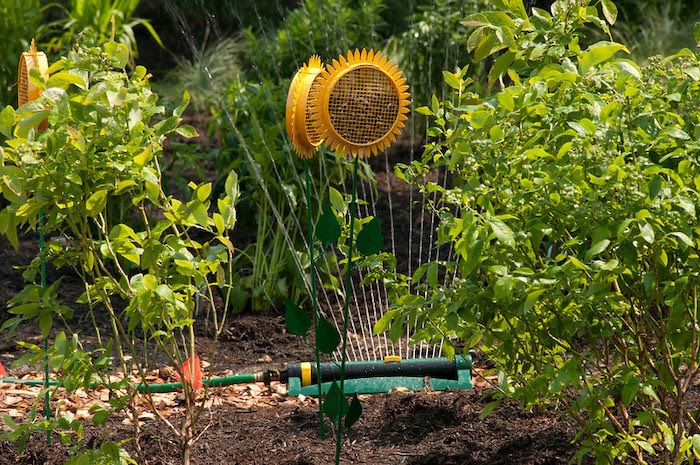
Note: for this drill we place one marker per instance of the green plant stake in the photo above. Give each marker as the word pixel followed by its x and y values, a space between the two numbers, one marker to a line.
pixel 28 91
pixel 358 105
pixel 346 316
pixel 359 108
pixel 314 296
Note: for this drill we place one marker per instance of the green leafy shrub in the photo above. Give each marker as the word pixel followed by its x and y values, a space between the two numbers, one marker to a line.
pixel 104 141
pixel 573 215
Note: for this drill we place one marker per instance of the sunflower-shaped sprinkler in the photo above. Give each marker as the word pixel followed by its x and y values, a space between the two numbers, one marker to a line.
pixel 26 90
pixel 358 106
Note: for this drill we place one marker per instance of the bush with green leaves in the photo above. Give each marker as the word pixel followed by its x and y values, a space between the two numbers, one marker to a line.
pixel 104 141
pixel 573 217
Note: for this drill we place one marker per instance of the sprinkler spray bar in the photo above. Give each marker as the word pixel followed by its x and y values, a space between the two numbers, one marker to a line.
pixel 389 367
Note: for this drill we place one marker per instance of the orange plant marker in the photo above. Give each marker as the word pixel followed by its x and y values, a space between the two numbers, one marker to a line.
pixel 192 369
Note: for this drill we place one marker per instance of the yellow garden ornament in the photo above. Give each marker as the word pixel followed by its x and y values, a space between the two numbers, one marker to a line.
pixel 303 135
pixel 360 103
pixel 26 90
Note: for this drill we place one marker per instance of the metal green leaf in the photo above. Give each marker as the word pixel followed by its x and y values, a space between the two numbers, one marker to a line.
pixel 297 320
pixel 335 405
pixel 354 412
pixel 370 240
pixel 328 228
pixel 327 336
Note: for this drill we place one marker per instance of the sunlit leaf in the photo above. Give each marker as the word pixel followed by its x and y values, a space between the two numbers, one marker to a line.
pixel 597 54
pixel 502 232
pixel 609 11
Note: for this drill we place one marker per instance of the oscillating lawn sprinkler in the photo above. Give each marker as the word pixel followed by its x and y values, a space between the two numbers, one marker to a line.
pixel 357 106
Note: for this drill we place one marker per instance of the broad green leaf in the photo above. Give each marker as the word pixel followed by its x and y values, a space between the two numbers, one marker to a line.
pixel 96 203
pixel 297 320
pixel 597 54
pixel 396 331
pixel 64 79
pixel 597 248
pixel 630 390
pixel 500 66
pixel 119 53
pixel 647 232
pixel 448 349
pixel 45 323
pixel 327 336
pixel 383 323
pixel 488 408
pixel 695 440
pixel 506 101
pixel 452 80
pixel 144 157
pixel 231 186
pixel 532 299
pixel 218 222
pixel 684 238
pixel 337 200
pixel 187 131
pixel 502 232
pixel 99 418
pixel 328 229
pixel 503 288
pixel 370 240
pixel 609 11
pixel 7 120
pixel 485 46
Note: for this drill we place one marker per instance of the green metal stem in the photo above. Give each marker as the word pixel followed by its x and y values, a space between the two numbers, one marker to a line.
pixel 346 306
pixel 314 296
pixel 47 397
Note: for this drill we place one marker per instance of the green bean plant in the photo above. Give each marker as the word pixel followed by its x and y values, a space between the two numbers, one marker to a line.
pixel 104 140
pixel 573 216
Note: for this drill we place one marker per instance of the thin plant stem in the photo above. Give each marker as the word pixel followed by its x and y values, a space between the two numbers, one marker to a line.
pixel 346 307
pixel 314 298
